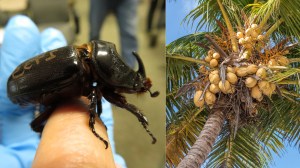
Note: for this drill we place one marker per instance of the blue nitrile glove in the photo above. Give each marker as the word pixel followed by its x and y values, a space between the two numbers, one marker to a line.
pixel 22 40
pixel 107 119
pixel 18 142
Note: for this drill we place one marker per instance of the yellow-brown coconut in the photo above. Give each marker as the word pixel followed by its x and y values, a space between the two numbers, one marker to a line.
pixel 210 98
pixel 231 77
pixel 224 87
pixel 239 35
pixel 197 101
pixel 208 58
pixel 263 84
pixel 256 93
pixel 213 63
pixel 214 77
pixel 272 62
pixel 247 54
pixel 262 73
pixel 248 39
pixel 230 69
pixel 254 34
pixel 251 69
pixel 214 88
pixel 254 26
pixel 283 61
pixel 260 37
pixel 216 55
pixel 250 82
pixel 266 87
pixel 248 45
pixel 210 52
pixel 242 41
pixel 241 71
pixel 248 31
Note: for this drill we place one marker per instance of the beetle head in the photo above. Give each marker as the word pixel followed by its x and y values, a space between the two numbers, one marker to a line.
pixel 115 73
pixel 145 83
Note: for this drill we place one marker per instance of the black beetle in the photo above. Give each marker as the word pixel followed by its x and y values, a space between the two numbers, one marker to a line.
pixel 93 70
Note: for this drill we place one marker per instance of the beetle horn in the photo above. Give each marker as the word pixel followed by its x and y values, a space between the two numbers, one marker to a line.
pixel 141 65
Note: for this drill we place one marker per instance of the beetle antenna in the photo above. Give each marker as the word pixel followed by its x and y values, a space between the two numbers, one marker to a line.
pixel 155 94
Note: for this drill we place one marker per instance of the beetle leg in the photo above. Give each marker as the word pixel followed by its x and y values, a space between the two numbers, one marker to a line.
pixel 37 124
pixel 99 104
pixel 92 110
pixel 120 101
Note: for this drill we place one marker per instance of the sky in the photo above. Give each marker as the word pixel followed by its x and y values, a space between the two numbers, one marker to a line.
pixel 175 13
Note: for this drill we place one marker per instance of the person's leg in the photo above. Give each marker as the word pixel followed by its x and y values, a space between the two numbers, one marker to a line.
pixel 98 12
pixel 126 13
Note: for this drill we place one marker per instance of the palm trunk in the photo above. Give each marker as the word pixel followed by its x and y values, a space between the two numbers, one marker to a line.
pixel 203 145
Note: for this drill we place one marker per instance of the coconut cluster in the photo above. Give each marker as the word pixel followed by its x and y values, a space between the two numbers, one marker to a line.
pixel 247 72
pixel 247 40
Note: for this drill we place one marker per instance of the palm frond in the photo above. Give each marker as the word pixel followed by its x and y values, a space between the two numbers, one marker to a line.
pixel 182 132
pixel 240 151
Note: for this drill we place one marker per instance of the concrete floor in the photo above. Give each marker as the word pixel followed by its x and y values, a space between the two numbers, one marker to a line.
pixel 132 141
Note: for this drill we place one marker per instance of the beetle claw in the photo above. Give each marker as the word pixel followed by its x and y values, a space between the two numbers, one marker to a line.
pixel 155 94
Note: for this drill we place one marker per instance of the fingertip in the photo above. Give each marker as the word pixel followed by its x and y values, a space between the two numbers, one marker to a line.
pixel 67 133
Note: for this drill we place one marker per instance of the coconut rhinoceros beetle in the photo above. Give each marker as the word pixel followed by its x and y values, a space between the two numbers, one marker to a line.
pixel 92 70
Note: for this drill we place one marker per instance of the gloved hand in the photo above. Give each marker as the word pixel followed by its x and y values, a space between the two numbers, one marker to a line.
pixel 18 143
pixel 22 40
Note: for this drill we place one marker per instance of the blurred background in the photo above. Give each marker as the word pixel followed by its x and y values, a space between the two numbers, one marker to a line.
pixel 72 18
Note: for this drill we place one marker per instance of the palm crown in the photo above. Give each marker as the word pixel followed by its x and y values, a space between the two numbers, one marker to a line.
pixel 237 84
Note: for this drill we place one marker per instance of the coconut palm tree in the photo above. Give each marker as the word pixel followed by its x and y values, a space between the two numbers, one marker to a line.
pixel 233 92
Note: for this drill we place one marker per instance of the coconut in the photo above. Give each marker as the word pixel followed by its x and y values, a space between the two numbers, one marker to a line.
pixel 242 41
pixel 272 86
pixel 248 45
pixel 251 69
pixel 248 32
pixel 214 77
pixel 216 55
pixel 256 93
pixel 248 39
pixel 250 82
pixel 282 60
pixel 210 98
pixel 262 73
pixel 247 53
pixel 239 35
pixel 241 71
pixel 208 58
pixel 210 52
pixel 263 85
pixel 230 69
pixel 254 34
pixel 254 26
pixel 260 37
pixel 214 88
pixel 231 77
pixel 215 72
pixel 285 52
pixel 269 91
pixel 266 87
pixel 272 62
pixel 197 101
pixel 213 63
pixel 224 87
